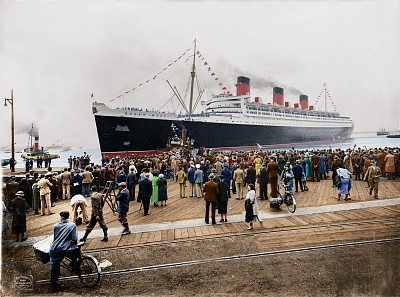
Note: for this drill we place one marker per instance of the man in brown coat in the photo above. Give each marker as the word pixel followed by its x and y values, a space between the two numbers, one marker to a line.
pixel 211 192
pixel 273 175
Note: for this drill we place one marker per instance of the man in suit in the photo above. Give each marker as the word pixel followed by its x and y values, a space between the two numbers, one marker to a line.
pixel 298 174
pixel 238 177
pixel 373 176
pixel 273 174
pixel 211 193
pixel 314 166
pixel 145 192
pixel 262 179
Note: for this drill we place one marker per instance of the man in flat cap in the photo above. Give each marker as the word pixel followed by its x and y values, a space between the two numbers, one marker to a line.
pixel 123 207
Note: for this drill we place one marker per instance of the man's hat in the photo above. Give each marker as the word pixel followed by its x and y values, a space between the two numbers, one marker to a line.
pixel 211 176
pixel 122 184
pixel 20 193
pixel 197 166
pixel 48 173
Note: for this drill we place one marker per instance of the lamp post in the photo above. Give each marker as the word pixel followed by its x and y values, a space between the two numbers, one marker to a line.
pixel 11 101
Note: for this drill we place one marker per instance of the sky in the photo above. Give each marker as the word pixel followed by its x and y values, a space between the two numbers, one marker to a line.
pixel 56 54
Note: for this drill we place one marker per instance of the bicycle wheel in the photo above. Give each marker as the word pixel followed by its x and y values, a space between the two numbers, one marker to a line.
pixel 290 203
pixel 89 271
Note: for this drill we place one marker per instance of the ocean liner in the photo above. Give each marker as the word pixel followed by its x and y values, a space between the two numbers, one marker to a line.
pixel 226 121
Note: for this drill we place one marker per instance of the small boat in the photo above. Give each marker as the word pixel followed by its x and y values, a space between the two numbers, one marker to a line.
pixel 382 132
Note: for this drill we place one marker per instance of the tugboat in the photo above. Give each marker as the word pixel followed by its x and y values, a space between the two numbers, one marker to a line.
pixel 33 152
pixel 175 142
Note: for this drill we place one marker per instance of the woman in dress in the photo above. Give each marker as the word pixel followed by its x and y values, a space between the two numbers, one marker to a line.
pixel 252 207
pixel 162 190
pixel 307 163
pixel 154 183
pixel 345 183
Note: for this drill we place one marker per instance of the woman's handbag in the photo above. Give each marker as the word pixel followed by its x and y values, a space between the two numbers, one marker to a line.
pixel 336 181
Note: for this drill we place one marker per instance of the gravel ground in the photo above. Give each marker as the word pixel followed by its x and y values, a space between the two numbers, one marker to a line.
pixel 367 270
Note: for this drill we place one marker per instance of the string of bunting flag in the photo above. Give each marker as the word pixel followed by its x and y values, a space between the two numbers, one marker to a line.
pixel 200 56
pixel 154 77
pixel 324 89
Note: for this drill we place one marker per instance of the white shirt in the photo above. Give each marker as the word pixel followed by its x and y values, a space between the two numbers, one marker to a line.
pixel 77 197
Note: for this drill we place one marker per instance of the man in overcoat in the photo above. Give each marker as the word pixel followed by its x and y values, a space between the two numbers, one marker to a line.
pixel 210 196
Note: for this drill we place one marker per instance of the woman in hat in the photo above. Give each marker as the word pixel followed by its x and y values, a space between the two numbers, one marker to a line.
pixel 162 190
pixel 18 208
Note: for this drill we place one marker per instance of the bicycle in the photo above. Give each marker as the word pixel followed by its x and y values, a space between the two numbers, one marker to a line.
pixel 284 197
pixel 86 268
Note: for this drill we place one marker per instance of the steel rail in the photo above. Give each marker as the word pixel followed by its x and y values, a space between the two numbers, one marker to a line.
pixel 231 258
pixel 224 235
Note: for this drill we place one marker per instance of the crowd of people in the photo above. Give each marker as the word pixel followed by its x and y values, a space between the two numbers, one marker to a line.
pixel 216 176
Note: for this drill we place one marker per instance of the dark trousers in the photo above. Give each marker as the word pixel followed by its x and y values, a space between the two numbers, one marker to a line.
pixel 298 181
pixel 314 173
pixel 263 191
pixel 93 223
pixel 131 189
pixel 146 205
pixel 213 207
pixel 274 187
pixel 55 261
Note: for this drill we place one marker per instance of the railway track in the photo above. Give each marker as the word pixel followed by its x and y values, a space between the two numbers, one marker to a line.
pixel 294 233
pixel 232 258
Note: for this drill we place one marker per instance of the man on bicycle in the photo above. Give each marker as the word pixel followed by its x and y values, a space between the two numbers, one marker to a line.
pixel 64 245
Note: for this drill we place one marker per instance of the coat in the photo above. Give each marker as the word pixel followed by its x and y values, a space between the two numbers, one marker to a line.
pixel 211 191
pixel 154 183
pixel 307 163
pixel 198 176
pixel 273 170
pixel 123 201
pixel 44 185
pixel 322 165
pixel 18 208
pixel 65 238
pixel 390 164
pixel 145 189
pixel 162 190
pixel 238 176
pixel 251 195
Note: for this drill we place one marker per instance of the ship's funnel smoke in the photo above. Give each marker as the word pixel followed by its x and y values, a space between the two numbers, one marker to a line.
pixel 27 129
pixel 262 83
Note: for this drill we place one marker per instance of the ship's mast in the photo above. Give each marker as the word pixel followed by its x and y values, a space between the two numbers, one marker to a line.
pixel 326 109
pixel 193 74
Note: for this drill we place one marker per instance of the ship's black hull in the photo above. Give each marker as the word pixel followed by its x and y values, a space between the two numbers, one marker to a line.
pixel 124 134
